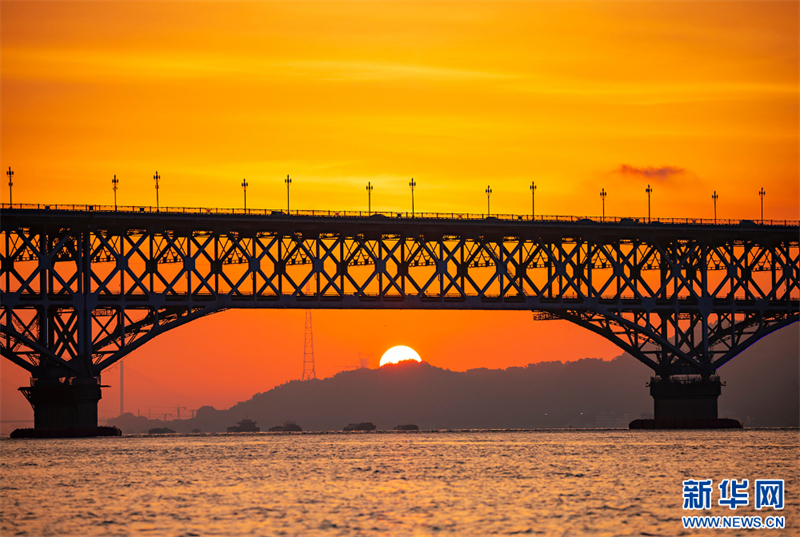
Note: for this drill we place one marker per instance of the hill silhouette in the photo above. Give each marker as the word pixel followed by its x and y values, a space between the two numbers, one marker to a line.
pixel 547 394
pixel 434 398
pixel 762 391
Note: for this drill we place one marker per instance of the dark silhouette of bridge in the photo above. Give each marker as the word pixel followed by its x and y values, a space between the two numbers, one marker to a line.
pixel 83 286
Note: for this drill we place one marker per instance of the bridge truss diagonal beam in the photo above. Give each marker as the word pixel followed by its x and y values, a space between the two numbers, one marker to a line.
pixel 82 289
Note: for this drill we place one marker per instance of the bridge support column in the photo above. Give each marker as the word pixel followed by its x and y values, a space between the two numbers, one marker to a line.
pixel 63 403
pixel 690 398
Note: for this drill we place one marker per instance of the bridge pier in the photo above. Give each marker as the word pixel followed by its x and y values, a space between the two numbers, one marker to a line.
pixel 685 402
pixel 63 403
pixel 685 397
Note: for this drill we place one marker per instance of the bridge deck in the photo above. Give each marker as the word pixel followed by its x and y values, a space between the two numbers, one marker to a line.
pixel 431 226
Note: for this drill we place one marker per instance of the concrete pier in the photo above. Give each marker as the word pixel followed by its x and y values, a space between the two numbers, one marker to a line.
pixel 63 403
pixel 685 397
pixel 685 402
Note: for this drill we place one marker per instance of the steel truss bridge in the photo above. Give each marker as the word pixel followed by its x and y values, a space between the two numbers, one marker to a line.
pixel 81 287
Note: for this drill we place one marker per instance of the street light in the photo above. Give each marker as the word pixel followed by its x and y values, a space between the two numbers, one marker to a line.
pixel 156 177
pixel 412 184
pixel 488 203
pixel 10 175
pixel 649 191
pixel 244 187
pixel 369 197
pixel 603 195
pixel 115 182
pixel 715 198
pixel 533 200
pixel 288 182
pixel 761 194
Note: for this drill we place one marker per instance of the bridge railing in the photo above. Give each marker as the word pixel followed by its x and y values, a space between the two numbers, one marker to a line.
pixel 139 209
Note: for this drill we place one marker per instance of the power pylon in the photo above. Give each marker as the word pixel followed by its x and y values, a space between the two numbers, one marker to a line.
pixel 308 351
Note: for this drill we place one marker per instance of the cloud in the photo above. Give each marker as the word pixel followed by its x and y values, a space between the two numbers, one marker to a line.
pixel 650 172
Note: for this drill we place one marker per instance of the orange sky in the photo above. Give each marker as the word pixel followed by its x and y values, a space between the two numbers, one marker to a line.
pixel 692 97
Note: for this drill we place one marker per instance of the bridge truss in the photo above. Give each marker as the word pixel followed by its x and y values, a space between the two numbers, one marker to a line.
pixel 81 289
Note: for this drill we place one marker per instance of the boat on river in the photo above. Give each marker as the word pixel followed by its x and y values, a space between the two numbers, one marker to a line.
pixel 244 426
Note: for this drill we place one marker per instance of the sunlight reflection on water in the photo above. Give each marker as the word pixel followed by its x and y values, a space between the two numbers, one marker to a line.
pixel 466 483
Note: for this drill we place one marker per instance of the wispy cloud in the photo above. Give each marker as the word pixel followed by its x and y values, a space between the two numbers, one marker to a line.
pixel 650 172
pixel 51 63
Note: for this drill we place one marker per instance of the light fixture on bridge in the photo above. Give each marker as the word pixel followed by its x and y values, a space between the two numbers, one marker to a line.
pixel 603 195
pixel 715 198
pixel 649 191
pixel 288 182
pixel 244 187
pixel 412 184
pixel 115 182
pixel 533 200
pixel 488 197
pixel 10 175
pixel 156 178
pixel 761 194
pixel 369 197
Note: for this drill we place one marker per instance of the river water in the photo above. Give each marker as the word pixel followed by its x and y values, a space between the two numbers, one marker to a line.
pixel 544 482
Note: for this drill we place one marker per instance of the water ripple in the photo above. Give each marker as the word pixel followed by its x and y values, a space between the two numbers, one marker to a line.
pixel 441 483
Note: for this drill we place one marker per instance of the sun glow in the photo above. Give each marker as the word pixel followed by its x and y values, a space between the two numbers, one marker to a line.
pixel 399 354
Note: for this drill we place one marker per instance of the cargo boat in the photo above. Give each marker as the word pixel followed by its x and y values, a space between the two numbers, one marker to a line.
pixel 244 426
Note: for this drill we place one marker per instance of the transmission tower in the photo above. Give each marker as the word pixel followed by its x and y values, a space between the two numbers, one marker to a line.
pixel 308 351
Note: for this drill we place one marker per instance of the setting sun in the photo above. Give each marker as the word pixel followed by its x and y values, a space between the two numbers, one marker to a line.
pixel 399 353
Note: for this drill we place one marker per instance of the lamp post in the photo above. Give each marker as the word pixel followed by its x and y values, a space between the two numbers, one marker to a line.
pixel 488 202
pixel 649 191
pixel 115 182
pixel 603 195
pixel 533 200
pixel 288 182
pixel 244 187
pixel 156 178
pixel 10 175
pixel 369 197
pixel 715 198
pixel 412 184
pixel 761 194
